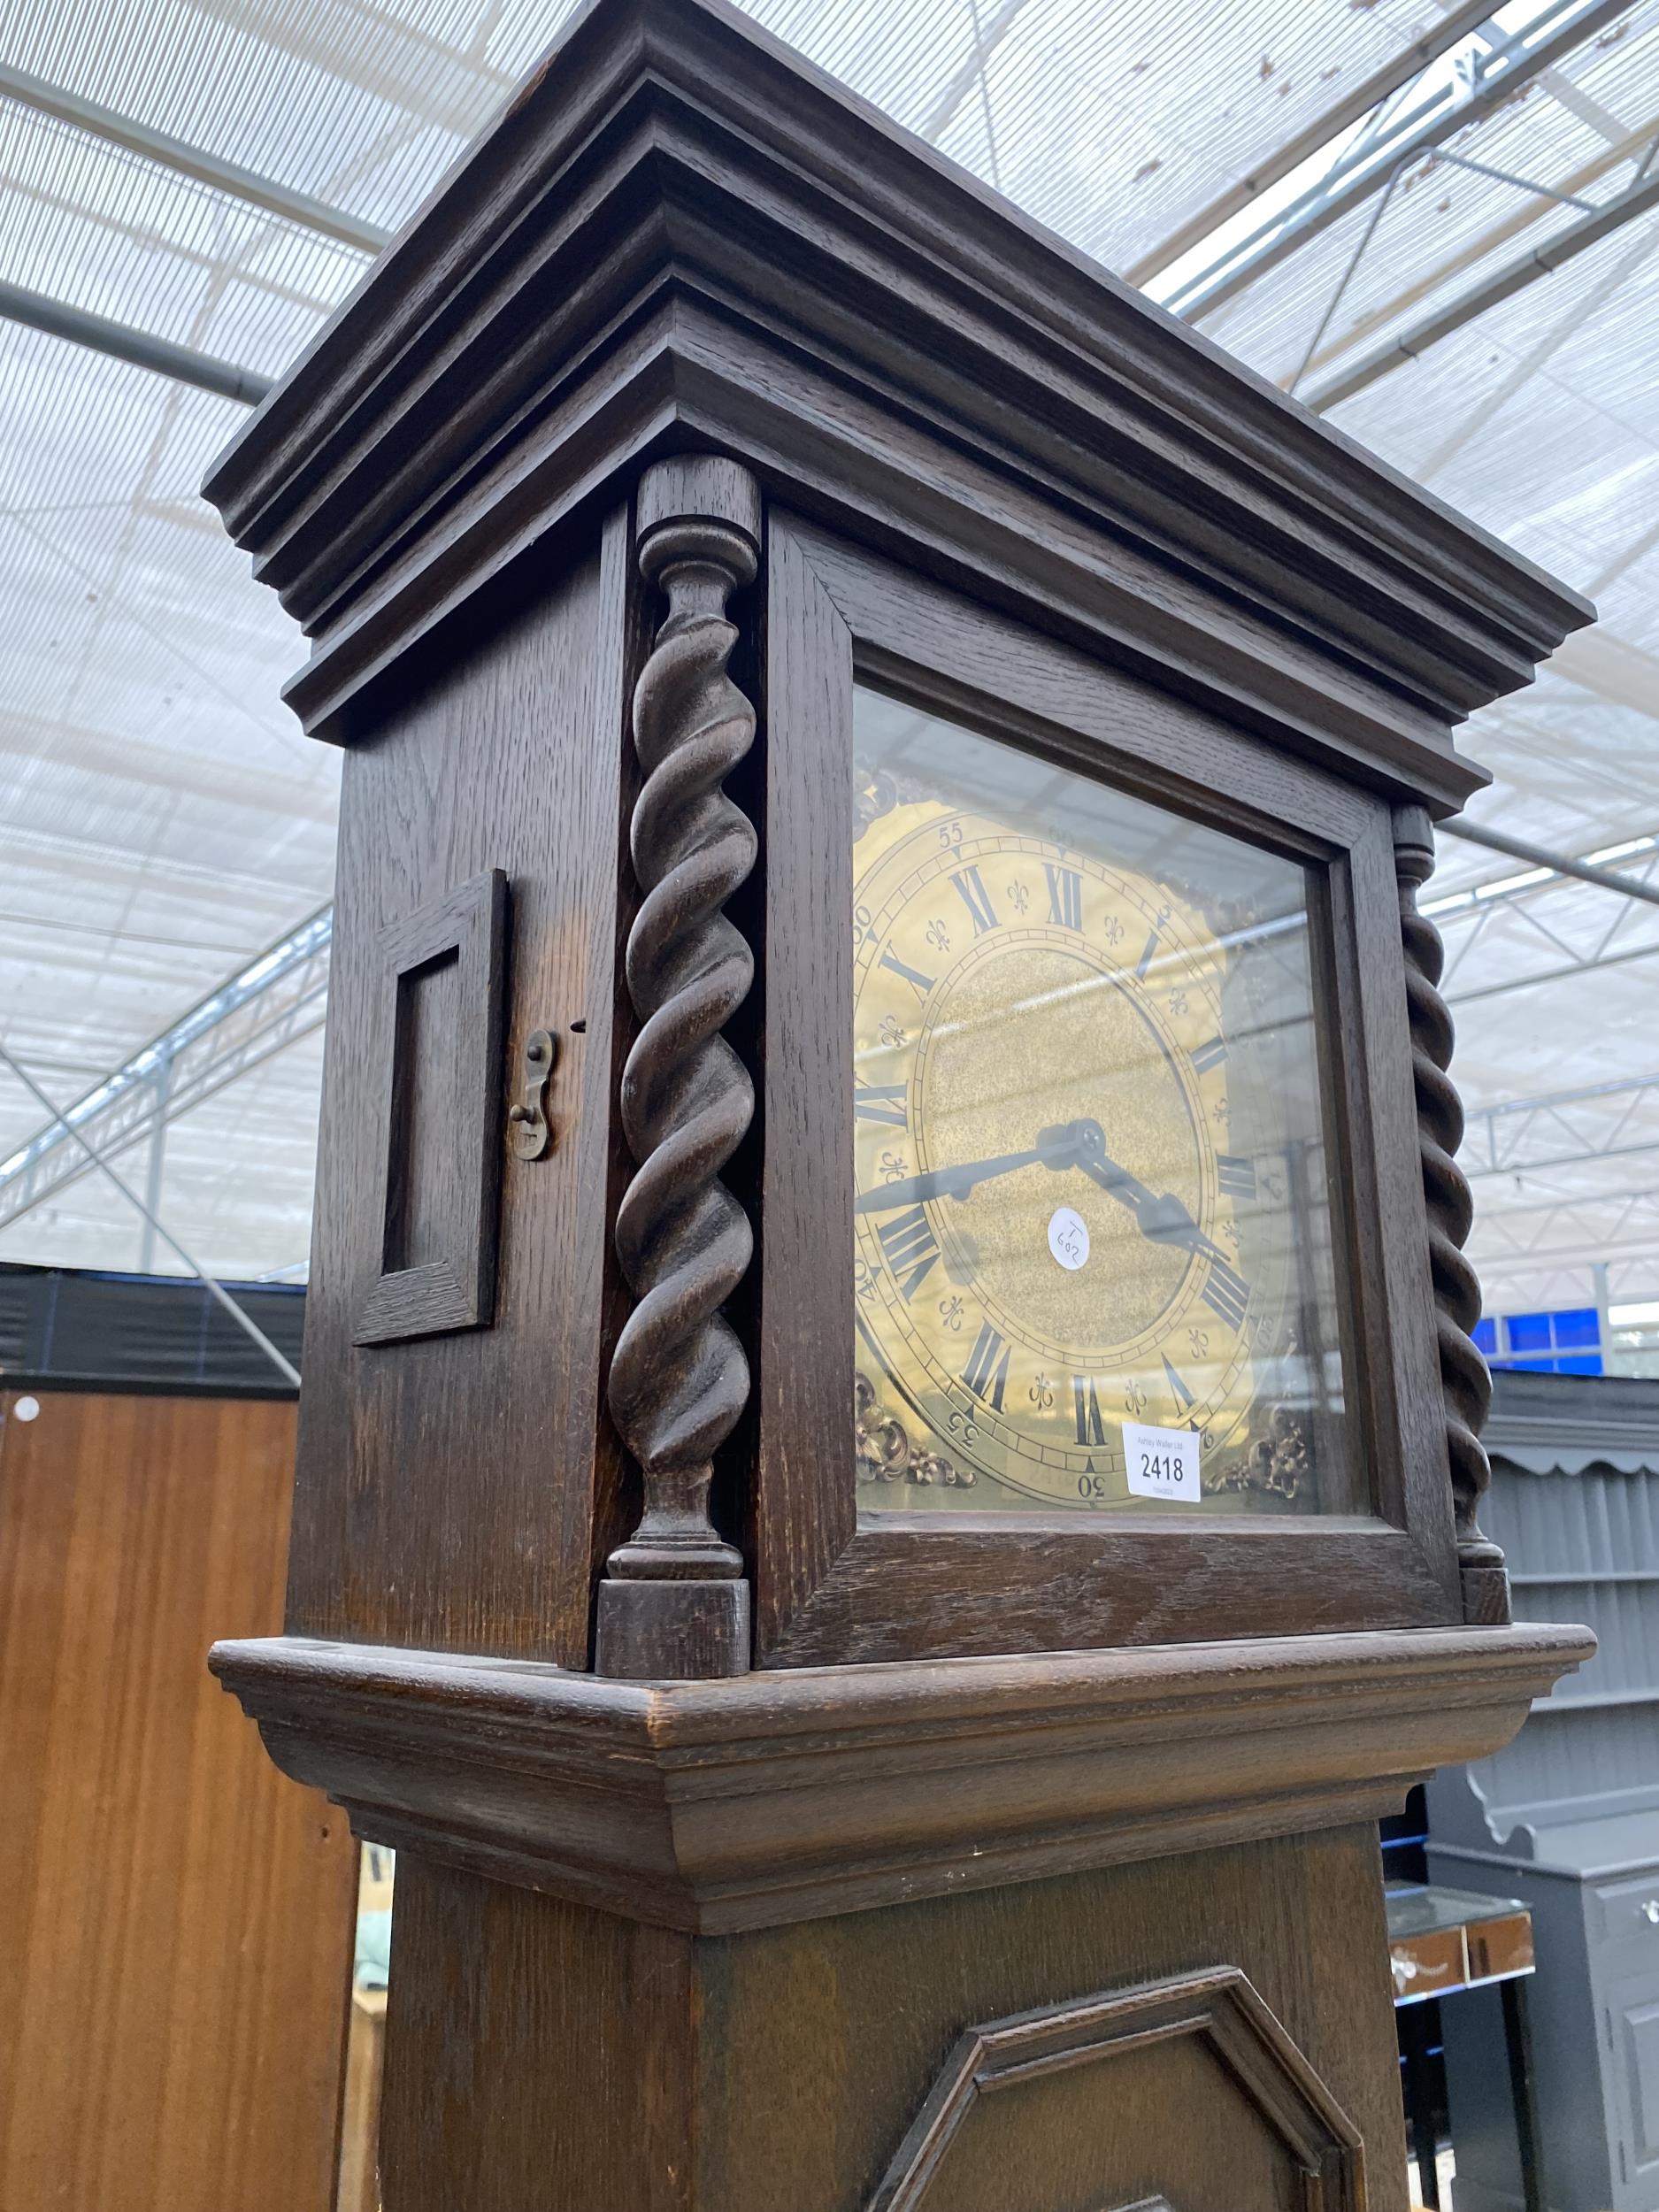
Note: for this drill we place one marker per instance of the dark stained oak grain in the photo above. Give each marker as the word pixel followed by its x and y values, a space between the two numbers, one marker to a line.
pixel 1465 1385
pixel 429 1263
pixel 803 1506
pixel 609 2067
pixel 537 2056
pixel 858 2016
pixel 1163 2086
pixel 446 1486
pixel 799 1793
pixel 680 1379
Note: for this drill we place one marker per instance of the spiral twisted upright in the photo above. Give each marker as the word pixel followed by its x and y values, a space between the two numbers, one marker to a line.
pixel 1464 1380
pixel 678 1378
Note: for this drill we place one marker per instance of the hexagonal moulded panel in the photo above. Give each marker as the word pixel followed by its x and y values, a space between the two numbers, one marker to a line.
pixel 1173 2096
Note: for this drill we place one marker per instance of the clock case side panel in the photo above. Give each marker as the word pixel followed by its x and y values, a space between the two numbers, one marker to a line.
pixel 830 1590
pixel 455 1490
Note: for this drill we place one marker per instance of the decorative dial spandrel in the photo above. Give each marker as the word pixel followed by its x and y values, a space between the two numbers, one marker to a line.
pixel 1093 1261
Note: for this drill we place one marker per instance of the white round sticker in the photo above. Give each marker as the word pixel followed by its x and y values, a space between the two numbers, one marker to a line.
pixel 27 1409
pixel 1068 1238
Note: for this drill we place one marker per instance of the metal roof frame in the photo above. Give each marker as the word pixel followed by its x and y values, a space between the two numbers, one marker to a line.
pixel 266 1006
pixel 190 161
pixel 1408 64
pixel 1473 351
pixel 1393 142
pixel 1639 199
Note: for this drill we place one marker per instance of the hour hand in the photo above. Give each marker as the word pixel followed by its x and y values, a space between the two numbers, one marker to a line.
pixel 1160 1217
pixel 1166 1221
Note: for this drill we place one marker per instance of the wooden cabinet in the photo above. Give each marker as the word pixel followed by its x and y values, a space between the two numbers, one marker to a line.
pixel 175 1917
pixel 880 1620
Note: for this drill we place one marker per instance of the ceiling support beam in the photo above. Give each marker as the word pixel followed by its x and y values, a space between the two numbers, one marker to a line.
pixel 1365 168
pixel 190 161
pixel 142 347
pixel 985 42
pixel 1409 62
pixel 383 51
pixel 211 1283
pixel 1479 250
pixel 268 1005
pixel 1560 864
pixel 1540 261
pixel 1614 1120
pixel 1541 978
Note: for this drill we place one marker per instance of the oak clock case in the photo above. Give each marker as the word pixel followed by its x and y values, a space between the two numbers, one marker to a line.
pixel 1095 1260
pixel 766 1811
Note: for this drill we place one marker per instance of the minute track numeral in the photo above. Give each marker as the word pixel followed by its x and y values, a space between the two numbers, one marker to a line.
pixel 879 1102
pixel 1236 1177
pixel 1066 896
pixel 1227 1294
pixel 976 899
pixel 986 1373
pixel 910 1247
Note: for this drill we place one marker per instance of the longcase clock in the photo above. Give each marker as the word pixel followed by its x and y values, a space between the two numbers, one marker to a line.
pixel 889 1463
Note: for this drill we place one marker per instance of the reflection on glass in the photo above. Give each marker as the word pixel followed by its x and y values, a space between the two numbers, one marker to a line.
pixel 1093 1263
pixel 359 2188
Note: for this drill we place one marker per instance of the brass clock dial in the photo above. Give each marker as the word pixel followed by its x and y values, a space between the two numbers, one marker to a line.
pixel 1070 1198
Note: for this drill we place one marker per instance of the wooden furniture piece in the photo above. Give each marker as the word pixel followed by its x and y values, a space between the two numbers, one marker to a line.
pixel 360 2186
pixel 1440 1942
pixel 1566 1818
pixel 175 1916
pixel 879 1652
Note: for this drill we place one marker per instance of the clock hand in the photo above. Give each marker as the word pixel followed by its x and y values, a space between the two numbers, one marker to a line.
pixel 1162 1220
pixel 1055 1148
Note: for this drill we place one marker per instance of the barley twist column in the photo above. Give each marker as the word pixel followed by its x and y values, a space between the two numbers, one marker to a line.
pixel 674 1602
pixel 1463 1377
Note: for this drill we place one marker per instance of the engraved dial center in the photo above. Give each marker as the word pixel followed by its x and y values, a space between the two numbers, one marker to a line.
pixel 1029 1036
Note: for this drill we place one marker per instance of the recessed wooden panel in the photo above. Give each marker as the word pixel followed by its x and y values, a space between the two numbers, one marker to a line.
pixel 175 1916
pixel 1188 2087
pixel 430 1265
pixel 847 2024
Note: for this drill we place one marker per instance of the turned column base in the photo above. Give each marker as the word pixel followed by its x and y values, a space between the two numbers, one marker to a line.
pixel 658 1632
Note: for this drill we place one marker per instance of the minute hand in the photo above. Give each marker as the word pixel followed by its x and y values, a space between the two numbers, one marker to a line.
pixel 1055 1148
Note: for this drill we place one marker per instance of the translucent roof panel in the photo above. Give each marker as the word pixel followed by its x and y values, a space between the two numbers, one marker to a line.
pixel 165 820
pixel 93 226
pixel 162 817
pixel 358 103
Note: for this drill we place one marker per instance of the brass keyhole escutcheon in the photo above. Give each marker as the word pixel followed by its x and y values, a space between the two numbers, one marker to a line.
pixel 529 1130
